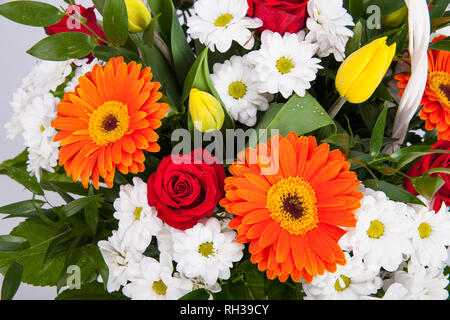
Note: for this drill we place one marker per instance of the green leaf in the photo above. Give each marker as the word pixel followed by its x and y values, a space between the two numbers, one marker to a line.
pixel 91 213
pixel 428 186
pixel 199 294
pixel 12 280
pixel 18 161
pixel 356 8
pixel 77 205
pixel 354 43
pixel 22 207
pixel 436 170
pixel 376 142
pixel 10 243
pixel 438 9
pixel 67 197
pixel 393 192
pixel 63 46
pixel 300 114
pixel 149 33
pixel 115 21
pixel 443 45
pixel 105 53
pixel 24 178
pixel 31 13
pixel 96 258
pixel 407 155
pixel 90 291
pixel 382 92
pixel 99 5
pixel 342 140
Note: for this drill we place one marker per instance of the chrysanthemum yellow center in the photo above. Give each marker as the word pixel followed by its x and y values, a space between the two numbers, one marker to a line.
pixel 109 123
pixel 237 90
pixel 424 230
pixel 42 128
pixel 137 213
pixel 342 283
pixel 292 203
pixel 159 287
pixel 206 249
pixel 439 82
pixel 223 20
pixel 376 229
pixel 284 65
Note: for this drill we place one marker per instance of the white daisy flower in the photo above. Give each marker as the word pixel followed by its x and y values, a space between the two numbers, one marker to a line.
pixel 423 283
pixel 157 282
pixel 284 64
pixel 206 251
pixel 83 66
pixel 383 233
pixel 218 23
pixel 122 264
pixel 395 291
pixel 138 222
pixel 238 91
pixel 350 282
pixel 327 25
pixel 431 236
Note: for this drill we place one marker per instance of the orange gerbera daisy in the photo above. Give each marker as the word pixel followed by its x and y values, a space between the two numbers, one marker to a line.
pixel 292 216
pixel 436 98
pixel 108 122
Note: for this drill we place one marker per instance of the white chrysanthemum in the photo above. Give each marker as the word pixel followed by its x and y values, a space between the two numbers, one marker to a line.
pixel 218 23
pixel 83 66
pixel 157 282
pixel 383 232
pixel 284 64
pixel 238 91
pixel 431 236
pixel 350 282
pixel 206 251
pixel 138 222
pixel 122 264
pixel 423 283
pixel 327 25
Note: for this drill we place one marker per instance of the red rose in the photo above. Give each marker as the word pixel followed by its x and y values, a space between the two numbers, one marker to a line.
pixel 70 22
pixel 428 162
pixel 279 15
pixel 186 188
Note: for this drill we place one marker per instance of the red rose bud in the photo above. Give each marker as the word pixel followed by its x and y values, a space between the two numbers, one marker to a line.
pixel 430 161
pixel 186 188
pixel 71 22
pixel 279 15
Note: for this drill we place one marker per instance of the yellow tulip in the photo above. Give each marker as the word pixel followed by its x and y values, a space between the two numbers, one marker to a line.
pixel 206 111
pixel 361 73
pixel 138 16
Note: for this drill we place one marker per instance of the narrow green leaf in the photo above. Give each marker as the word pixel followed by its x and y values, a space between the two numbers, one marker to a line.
pixel 354 43
pixel 376 142
pixel 90 291
pixel 428 186
pixel 63 46
pixel 356 8
pixel 66 197
pixel 24 178
pixel 438 9
pixel 91 213
pixel 31 13
pixel 407 155
pixel 115 21
pixel 12 280
pixel 99 5
pixel 443 45
pixel 393 192
pixel 436 170
pixel 10 243
pixel 77 205
pixel 21 207
pixel 95 256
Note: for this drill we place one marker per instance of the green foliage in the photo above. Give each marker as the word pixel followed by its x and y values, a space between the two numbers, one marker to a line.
pixel 90 291
pixel 32 13
pixel 115 21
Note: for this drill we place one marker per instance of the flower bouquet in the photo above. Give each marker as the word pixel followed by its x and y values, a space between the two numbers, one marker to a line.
pixel 233 149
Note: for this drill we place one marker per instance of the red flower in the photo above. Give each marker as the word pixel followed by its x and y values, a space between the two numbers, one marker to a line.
pixel 70 22
pixel 186 188
pixel 429 162
pixel 279 15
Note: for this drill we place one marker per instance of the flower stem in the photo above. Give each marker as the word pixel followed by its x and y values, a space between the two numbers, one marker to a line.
pixel 336 107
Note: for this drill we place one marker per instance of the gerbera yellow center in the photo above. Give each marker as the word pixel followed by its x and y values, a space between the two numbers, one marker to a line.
pixel 342 283
pixel 376 229
pixel 424 230
pixel 159 287
pixel 292 203
pixel 223 20
pixel 237 90
pixel 206 249
pixel 109 123
pixel 137 213
pixel 439 82
pixel 284 65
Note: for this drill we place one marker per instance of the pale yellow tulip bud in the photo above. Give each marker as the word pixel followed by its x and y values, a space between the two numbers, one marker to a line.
pixel 206 111
pixel 138 16
pixel 362 72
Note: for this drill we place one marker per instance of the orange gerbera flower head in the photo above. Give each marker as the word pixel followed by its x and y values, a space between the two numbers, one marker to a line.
pixel 436 98
pixel 108 122
pixel 292 216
